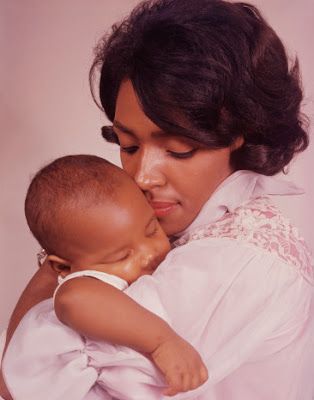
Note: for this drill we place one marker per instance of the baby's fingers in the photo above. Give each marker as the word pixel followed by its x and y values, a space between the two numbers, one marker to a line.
pixel 170 392
pixel 176 385
pixel 199 379
pixel 183 383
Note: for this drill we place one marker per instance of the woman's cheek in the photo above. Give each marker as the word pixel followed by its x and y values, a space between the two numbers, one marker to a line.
pixel 127 164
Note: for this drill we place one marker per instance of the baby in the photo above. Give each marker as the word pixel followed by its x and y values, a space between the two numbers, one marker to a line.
pixel 100 235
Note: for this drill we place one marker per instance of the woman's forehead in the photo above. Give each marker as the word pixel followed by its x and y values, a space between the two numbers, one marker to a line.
pixel 131 120
pixel 129 114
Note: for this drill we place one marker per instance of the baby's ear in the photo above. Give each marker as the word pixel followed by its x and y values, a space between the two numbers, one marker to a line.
pixel 61 266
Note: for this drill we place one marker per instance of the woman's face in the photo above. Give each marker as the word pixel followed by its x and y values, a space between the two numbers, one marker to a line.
pixel 176 175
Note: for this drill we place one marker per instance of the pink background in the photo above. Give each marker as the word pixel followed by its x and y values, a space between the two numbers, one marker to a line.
pixel 46 109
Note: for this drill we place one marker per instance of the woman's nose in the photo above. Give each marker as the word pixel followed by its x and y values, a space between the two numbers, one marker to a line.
pixel 148 172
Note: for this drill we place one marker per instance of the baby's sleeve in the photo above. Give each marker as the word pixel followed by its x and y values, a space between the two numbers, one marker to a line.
pixel 47 360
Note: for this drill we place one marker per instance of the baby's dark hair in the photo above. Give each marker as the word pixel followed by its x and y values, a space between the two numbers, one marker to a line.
pixel 68 183
pixel 210 70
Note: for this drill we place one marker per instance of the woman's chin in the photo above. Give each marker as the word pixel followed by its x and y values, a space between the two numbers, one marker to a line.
pixel 173 223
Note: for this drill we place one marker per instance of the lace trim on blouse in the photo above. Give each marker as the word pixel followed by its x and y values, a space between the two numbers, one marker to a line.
pixel 260 223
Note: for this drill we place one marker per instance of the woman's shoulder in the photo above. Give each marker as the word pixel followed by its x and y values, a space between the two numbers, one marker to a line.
pixel 257 225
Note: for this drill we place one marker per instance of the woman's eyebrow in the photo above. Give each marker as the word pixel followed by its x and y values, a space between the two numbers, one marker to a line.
pixel 123 128
pixel 128 131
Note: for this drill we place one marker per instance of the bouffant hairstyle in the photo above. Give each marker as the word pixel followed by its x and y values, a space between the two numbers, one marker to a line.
pixel 210 70
pixel 67 184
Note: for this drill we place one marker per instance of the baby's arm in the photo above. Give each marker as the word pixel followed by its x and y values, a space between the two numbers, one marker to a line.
pixel 100 311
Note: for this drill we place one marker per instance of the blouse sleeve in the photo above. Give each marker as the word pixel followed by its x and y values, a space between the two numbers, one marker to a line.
pixel 227 299
pixel 237 303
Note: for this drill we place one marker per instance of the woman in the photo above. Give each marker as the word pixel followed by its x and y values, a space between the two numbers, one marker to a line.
pixel 205 109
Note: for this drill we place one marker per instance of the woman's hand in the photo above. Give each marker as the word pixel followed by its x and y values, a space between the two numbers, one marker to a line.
pixel 180 364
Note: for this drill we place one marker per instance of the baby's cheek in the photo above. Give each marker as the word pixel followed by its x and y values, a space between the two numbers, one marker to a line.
pixel 129 270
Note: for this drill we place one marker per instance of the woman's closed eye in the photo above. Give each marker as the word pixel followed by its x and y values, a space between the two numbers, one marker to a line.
pixel 182 155
pixel 129 149
pixel 174 154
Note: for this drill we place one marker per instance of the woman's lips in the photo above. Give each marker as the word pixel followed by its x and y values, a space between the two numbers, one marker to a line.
pixel 163 208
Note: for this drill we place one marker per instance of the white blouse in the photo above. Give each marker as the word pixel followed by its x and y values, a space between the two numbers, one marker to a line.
pixel 238 285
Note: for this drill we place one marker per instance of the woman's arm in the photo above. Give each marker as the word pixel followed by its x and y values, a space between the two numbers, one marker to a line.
pixel 120 320
pixel 40 287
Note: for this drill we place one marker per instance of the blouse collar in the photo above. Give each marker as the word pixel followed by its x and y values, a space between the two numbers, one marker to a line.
pixel 238 188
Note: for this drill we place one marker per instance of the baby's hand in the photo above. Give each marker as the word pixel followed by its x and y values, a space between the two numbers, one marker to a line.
pixel 181 365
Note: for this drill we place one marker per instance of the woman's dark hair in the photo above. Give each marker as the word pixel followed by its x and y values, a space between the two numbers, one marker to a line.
pixel 209 70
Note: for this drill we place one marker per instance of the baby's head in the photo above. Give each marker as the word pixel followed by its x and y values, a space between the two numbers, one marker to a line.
pixel 89 214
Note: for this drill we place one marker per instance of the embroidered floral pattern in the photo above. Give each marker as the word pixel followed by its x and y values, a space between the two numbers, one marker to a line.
pixel 260 223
